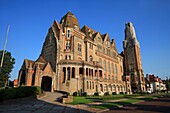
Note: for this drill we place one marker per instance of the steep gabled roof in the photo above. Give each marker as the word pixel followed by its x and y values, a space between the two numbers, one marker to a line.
pixel 106 37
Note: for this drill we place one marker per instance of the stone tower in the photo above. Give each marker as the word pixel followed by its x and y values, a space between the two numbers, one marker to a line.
pixel 133 63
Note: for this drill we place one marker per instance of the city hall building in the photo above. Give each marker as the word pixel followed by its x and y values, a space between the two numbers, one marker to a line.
pixel 75 59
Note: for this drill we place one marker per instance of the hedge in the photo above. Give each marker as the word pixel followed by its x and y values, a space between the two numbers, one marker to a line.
pixel 19 92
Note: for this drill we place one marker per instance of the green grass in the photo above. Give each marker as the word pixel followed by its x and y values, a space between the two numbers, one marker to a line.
pixel 116 104
pixel 131 99
pixel 89 99
pixel 80 100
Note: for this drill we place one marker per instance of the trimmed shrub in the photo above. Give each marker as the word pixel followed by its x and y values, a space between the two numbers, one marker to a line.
pixel 121 93
pixel 96 94
pixel 1 94
pixel 75 94
pixel 10 93
pixel 106 94
pixel 84 94
pixel 114 93
pixel 25 91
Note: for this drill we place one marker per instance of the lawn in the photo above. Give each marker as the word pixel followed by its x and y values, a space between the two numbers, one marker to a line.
pixel 116 104
pixel 89 99
pixel 131 99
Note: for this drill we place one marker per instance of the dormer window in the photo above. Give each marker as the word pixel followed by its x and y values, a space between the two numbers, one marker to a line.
pixel 68 33
pixel 99 40
pixel 108 44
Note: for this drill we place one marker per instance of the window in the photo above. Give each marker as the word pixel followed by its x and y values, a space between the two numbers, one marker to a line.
pixel 68 73
pixel 69 57
pixel 108 66
pixel 79 47
pixel 67 45
pixel 68 33
pixel 105 65
pixel 99 48
pixel 91 46
pixel 108 44
pixel 115 69
pixel 99 39
pixel 90 58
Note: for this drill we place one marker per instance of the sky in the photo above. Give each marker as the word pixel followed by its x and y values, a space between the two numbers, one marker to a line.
pixel 30 20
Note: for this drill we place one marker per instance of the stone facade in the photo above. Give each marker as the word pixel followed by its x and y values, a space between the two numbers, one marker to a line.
pixel 76 60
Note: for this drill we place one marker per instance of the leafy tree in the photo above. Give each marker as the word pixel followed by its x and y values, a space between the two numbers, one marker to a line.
pixel 8 65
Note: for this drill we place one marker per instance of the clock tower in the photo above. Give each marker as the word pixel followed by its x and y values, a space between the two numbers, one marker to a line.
pixel 132 57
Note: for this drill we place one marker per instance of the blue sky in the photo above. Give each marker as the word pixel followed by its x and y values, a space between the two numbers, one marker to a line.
pixel 30 20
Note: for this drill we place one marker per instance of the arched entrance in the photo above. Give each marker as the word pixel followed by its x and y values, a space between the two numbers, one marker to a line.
pixel 46 83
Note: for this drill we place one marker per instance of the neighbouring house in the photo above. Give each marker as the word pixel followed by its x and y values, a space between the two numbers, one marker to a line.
pixel 154 83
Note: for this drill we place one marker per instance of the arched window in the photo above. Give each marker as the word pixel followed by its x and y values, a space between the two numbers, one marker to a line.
pixel 69 57
pixel 91 58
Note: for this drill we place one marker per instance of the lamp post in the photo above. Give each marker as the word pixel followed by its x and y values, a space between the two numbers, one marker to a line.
pixel 77 85
pixel 4 48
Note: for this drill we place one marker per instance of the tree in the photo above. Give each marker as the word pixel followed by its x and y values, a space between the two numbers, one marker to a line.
pixel 8 65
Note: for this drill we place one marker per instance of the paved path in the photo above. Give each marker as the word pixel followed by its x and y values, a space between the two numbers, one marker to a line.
pixel 47 104
pixel 160 105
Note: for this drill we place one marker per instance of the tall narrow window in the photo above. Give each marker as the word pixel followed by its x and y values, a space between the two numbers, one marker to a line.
pixel 115 69
pixel 68 33
pixel 91 46
pixel 68 73
pixel 67 45
pixel 108 66
pixel 105 65
pixel 79 47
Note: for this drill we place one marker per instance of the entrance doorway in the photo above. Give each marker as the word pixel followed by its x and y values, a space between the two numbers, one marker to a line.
pixel 46 83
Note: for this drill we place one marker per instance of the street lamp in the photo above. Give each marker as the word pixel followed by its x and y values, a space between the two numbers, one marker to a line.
pixel 77 85
pixel 4 48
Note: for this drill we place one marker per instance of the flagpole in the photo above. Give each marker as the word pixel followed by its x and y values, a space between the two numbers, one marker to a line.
pixel 3 54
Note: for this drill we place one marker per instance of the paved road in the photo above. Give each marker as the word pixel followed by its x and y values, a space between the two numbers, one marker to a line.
pixel 160 105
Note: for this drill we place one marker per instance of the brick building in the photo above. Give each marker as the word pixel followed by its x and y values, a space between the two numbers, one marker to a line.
pixel 74 59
